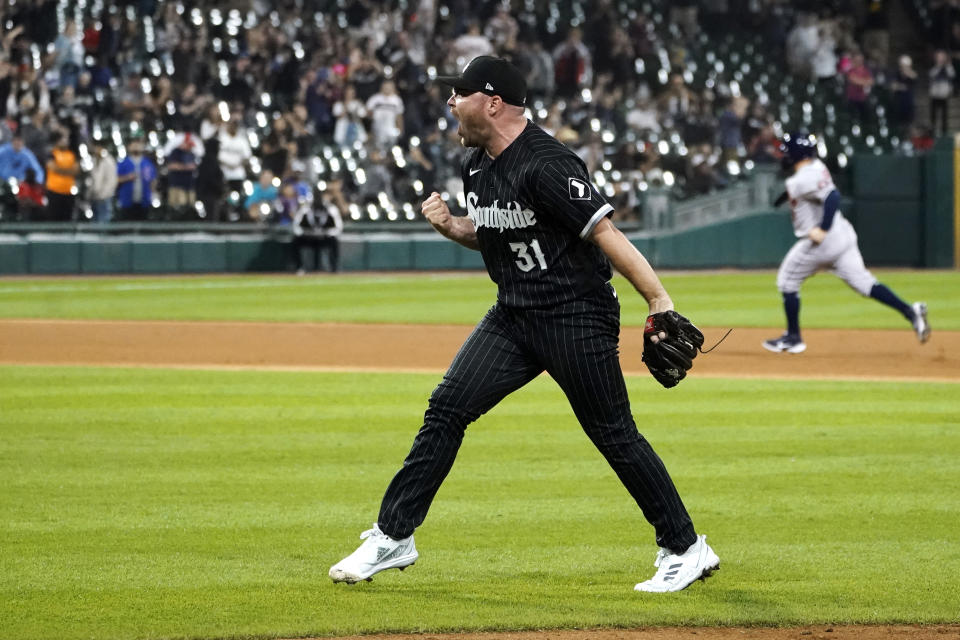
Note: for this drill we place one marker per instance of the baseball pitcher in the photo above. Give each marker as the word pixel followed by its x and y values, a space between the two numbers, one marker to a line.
pixel 545 235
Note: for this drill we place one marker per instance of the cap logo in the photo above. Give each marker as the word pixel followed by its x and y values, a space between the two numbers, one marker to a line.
pixel 489 87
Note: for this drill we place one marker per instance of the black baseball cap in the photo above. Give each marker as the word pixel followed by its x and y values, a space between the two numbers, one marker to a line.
pixel 492 76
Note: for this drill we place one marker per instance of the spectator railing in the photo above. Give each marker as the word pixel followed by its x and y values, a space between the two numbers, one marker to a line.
pixel 140 228
pixel 736 201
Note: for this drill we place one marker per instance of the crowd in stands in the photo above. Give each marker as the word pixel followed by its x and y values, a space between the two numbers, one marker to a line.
pixel 300 113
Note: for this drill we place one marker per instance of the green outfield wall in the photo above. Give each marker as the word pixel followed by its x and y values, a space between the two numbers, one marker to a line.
pixel 903 207
pixel 756 241
pixel 47 253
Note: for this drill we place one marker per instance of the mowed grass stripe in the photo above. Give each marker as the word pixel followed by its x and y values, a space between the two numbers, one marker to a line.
pixel 159 503
pixel 737 299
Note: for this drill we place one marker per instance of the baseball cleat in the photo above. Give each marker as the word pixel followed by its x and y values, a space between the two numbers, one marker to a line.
pixel 785 344
pixel 377 553
pixel 920 324
pixel 676 572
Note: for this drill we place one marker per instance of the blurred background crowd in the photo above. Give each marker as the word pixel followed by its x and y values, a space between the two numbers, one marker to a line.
pixel 309 112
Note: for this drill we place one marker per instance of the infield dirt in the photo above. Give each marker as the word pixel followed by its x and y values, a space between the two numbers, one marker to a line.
pixel 862 354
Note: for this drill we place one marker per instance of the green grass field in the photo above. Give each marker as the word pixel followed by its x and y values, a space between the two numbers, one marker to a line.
pixel 735 299
pixel 156 503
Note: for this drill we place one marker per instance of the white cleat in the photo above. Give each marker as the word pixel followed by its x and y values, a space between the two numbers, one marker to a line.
pixel 920 324
pixel 378 552
pixel 785 344
pixel 676 572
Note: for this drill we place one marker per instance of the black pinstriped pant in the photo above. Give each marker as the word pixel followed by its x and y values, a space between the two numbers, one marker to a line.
pixel 577 344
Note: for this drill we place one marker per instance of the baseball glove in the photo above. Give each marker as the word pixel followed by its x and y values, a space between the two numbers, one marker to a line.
pixel 669 359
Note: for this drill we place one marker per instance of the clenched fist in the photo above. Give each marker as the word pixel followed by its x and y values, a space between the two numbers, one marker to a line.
pixel 436 212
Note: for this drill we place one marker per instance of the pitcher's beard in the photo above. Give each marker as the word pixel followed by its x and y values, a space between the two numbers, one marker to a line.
pixel 465 139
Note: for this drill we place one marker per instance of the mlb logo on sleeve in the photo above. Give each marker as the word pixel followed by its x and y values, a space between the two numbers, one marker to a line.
pixel 579 190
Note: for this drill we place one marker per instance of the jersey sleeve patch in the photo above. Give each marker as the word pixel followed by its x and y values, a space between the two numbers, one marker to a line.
pixel 561 188
pixel 578 189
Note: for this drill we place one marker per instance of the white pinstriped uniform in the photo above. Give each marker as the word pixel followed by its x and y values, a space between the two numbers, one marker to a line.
pixel 533 207
pixel 807 190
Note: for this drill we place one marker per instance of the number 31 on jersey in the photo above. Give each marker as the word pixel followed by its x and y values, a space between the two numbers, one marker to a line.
pixel 525 261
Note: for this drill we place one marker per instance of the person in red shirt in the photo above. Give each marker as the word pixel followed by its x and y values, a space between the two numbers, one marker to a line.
pixel 91 38
pixel 859 83
pixel 921 138
pixel 30 201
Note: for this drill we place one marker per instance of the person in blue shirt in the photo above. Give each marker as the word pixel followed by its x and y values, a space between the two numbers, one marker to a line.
pixel 182 172
pixel 136 178
pixel 304 188
pixel 15 159
pixel 259 204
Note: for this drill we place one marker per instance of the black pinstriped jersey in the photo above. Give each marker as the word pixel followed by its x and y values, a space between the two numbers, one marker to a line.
pixel 533 207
